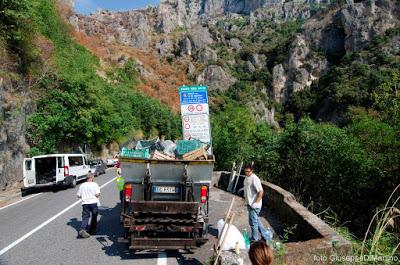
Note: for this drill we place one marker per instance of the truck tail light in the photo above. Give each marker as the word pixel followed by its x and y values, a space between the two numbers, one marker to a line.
pixel 139 227
pixel 128 192
pixel 203 194
pixel 66 171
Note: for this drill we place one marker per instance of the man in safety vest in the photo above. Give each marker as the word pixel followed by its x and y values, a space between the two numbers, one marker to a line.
pixel 120 183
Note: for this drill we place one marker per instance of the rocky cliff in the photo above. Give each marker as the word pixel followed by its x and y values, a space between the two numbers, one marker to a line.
pixel 191 33
pixel 15 106
pixel 258 51
pixel 333 34
pixel 187 31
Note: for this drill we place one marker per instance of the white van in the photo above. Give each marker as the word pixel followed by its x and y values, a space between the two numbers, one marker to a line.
pixel 56 169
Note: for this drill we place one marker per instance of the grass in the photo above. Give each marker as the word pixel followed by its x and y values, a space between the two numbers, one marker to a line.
pixel 381 242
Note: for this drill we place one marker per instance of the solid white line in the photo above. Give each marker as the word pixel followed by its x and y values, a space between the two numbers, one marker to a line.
pixel 14 203
pixel 108 182
pixel 19 240
pixel 162 258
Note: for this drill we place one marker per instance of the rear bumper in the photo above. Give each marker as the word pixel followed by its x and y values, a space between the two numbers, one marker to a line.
pixel 49 184
pixel 165 207
pixel 164 225
pixel 162 243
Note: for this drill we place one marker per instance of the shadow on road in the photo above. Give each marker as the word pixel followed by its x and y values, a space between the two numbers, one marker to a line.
pixel 109 229
pixel 26 192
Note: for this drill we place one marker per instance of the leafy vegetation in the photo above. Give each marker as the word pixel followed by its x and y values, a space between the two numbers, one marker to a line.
pixel 76 106
pixel 17 28
pixel 350 164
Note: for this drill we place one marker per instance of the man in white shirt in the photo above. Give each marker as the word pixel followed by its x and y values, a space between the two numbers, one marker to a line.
pixel 253 194
pixel 89 192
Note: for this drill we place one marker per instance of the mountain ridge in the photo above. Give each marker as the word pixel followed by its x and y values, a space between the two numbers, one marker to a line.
pixel 187 32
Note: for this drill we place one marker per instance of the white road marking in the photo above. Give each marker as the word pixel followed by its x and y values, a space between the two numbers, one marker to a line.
pixel 162 258
pixel 19 240
pixel 14 203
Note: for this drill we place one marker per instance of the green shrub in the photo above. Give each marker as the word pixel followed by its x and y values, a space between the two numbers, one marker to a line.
pixel 17 28
pixel 77 106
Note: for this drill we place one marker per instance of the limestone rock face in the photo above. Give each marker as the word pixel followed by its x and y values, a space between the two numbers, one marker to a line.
pixel 164 46
pixel 336 33
pixel 171 14
pixel 200 37
pixel 279 82
pixel 206 55
pixel 235 43
pixel 262 113
pixel 216 78
pixel 191 69
pixel 191 31
pixel 15 106
pixel 214 7
pixel 280 10
pixel 185 47
pixel 258 60
pixel 131 28
pixel 363 21
pixel 249 67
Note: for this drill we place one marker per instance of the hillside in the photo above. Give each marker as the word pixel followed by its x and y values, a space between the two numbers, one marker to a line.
pixel 272 64
pixel 306 89
pixel 57 96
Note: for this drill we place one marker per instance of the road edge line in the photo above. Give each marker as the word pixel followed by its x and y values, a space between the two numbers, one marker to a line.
pixel 19 240
pixel 24 199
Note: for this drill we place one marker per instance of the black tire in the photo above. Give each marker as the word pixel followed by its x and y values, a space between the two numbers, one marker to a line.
pixel 24 192
pixel 73 183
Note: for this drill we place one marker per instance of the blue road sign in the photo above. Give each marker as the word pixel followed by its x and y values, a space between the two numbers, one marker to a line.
pixel 193 95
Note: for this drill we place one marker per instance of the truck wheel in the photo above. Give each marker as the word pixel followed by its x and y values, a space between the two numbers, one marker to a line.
pixel 73 183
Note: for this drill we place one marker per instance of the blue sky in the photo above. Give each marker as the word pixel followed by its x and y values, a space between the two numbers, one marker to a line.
pixel 88 6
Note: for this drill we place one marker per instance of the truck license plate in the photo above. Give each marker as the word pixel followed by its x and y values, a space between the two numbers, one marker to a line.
pixel 165 189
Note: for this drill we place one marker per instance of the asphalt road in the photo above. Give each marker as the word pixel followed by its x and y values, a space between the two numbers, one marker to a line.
pixel 42 228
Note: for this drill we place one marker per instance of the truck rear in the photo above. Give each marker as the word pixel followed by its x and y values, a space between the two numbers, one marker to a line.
pixel 165 203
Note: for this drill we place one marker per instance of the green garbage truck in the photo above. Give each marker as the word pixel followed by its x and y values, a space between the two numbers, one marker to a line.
pixel 165 203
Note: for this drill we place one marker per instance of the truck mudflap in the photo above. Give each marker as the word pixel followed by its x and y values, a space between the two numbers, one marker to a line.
pixel 163 225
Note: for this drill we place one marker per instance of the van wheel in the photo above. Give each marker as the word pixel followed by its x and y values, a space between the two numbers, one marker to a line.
pixel 73 183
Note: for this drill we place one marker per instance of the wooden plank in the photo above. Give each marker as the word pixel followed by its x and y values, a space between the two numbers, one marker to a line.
pixel 216 248
pixel 232 177
pixel 237 177
pixel 162 156
pixel 224 234
pixel 196 154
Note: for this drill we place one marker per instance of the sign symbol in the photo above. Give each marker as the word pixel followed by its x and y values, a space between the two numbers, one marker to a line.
pixel 187 126
pixel 191 108
pixel 187 136
pixel 199 107
pixel 186 118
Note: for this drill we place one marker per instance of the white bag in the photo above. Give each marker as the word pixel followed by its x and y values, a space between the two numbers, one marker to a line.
pixel 233 235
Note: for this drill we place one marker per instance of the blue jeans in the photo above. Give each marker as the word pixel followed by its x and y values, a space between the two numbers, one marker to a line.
pixel 256 225
pixel 86 210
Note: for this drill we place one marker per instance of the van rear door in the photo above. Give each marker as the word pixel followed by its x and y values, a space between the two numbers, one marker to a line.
pixel 29 172
pixel 60 169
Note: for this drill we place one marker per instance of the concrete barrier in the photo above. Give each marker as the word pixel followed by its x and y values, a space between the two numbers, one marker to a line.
pixel 312 241
pixel 317 242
